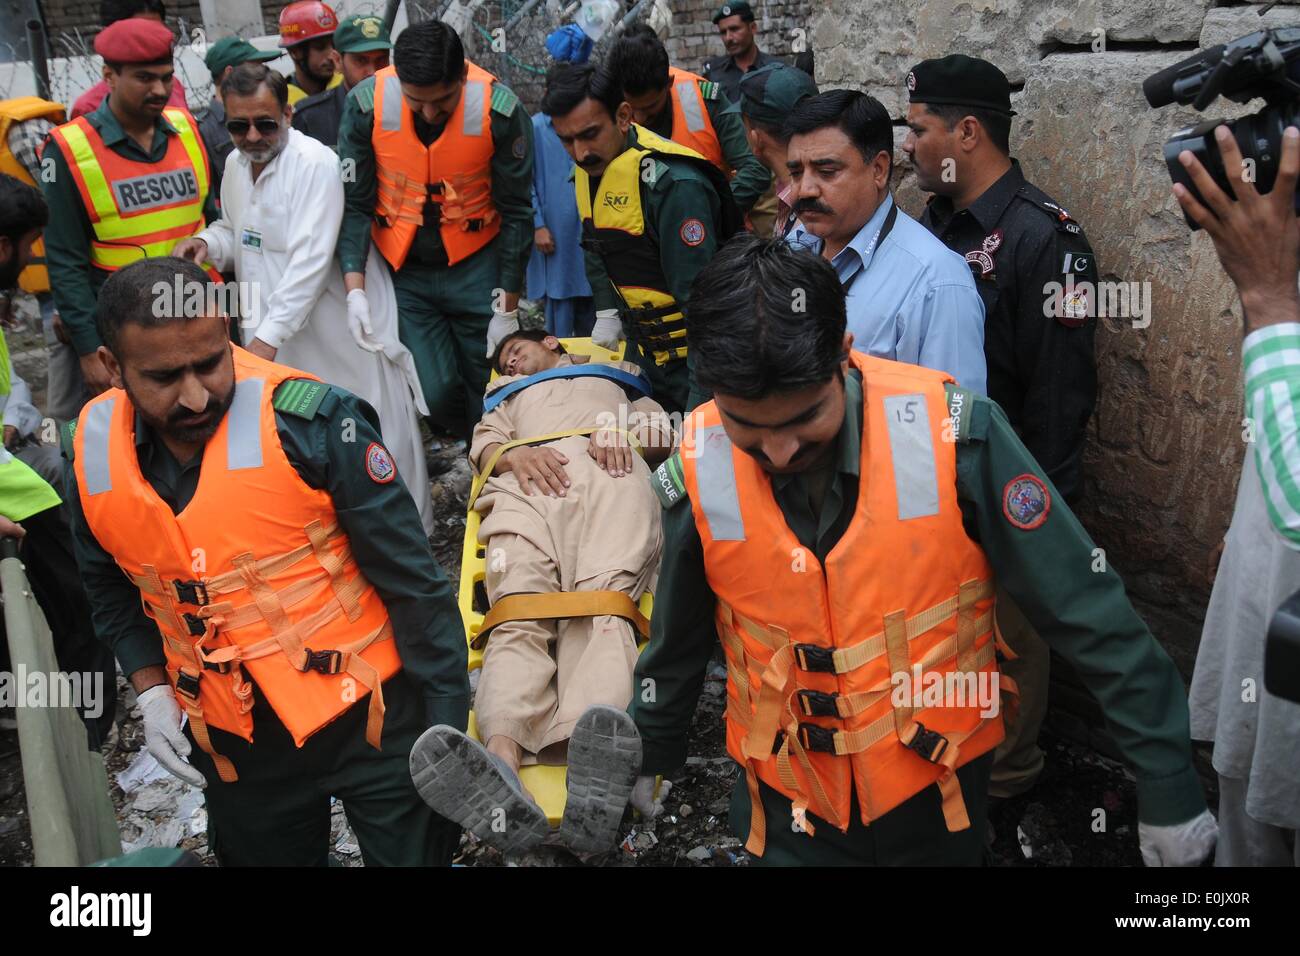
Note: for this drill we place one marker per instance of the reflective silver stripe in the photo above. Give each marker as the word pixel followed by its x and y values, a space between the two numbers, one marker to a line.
pixel 94 447
pixel 688 94
pixel 391 121
pixel 715 476
pixel 472 123
pixel 244 426
pixel 916 482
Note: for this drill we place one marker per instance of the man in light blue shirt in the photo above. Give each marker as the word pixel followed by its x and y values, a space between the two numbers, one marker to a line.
pixel 909 297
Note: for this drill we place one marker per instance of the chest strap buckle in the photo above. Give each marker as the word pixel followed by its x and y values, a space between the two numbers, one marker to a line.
pixel 817 739
pixel 324 662
pixel 187 685
pixel 191 592
pixel 813 657
pixel 928 743
pixel 815 703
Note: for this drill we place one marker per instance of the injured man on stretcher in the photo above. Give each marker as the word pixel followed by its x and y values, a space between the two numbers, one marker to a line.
pixel 572 536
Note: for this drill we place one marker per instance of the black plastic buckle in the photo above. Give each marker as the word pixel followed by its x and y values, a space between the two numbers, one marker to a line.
pixel 929 744
pixel 188 685
pixel 324 662
pixel 222 667
pixel 817 739
pixel 815 703
pixel 812 657
pixel 191 592
pixel 437 189
pixel 197 625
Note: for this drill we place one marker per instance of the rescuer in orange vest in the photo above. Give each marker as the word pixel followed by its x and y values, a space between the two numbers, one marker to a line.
pixel 838 521
pixel 438 169
pixel 258 566
pixel 127 180
pixel 687 109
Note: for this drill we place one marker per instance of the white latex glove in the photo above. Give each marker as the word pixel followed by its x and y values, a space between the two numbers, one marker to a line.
pixel 162 733
pixel 359 321
pixel 643 797
pixel 608 330
pixel 1183 844
pixel 502 324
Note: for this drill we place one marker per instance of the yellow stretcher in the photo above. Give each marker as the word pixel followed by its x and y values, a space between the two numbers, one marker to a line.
pixel 545 783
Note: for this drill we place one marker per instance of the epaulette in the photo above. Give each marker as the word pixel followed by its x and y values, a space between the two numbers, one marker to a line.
pixel 364 94
pixel 967 415
pixel 300 397
pixel 504 100
pixel 1063 220
pixel 67 435
pixel 709 90
pixel 669 482
pixel 661 172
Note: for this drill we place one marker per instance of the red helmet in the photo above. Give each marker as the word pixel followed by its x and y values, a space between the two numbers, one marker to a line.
pixel 306 20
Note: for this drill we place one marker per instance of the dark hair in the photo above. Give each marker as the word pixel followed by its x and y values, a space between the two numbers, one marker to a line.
pixel 131 294
pixel 996 125
pixel 249 77
pixel 765 318
pixel 22 208
pixel 427 53
pixel 110 11
pixel 639 61
pixel 532 335
pixel 568 85
pixel 862 118
pixel 775 130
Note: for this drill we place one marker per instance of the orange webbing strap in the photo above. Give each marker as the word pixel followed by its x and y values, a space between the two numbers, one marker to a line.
pixel 467 198
pixel 232 581
pixel 899 663
pixel 774 682
pixel 345 590
pixel 849 658
pixel 397 199
pixel 268 602
pixel 785 770
pixel 199 728
pixel 553 605
pixel 756 841
pixel 967 596
pixel 224 614
pixel 362 670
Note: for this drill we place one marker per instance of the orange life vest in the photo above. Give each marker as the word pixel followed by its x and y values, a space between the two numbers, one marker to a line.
pixel 454 173
pixel 35 278
pixel 138 210
pixel 814 707
pixel 692 125
pixel 254 572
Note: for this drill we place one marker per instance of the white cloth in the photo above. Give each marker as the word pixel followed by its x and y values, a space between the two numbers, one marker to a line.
pixel 1255 739
pixel 19 410
pixel 278 235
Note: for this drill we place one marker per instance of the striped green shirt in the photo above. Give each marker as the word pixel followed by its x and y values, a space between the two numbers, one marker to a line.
pixel 1272 359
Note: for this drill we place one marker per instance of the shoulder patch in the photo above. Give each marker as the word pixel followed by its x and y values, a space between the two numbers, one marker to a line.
pixel 504 100
pixel 708 89
pixel 364 94
pixel 668 481
pixel 299 397
pixel 1026 502
pixel 379 464
pixel 67 435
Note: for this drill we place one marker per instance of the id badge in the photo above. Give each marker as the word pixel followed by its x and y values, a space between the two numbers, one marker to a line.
pixel 251 240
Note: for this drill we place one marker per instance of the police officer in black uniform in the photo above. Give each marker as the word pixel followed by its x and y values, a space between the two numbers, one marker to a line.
pixel 735 23
pixel 1037 276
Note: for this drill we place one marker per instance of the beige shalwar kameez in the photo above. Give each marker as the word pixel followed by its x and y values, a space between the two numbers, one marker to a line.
pixel 604 534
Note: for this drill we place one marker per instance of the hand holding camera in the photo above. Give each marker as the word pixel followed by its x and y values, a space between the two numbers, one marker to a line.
pixel 1256 236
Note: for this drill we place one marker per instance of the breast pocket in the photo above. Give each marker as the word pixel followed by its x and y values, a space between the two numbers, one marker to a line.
pixel 275 232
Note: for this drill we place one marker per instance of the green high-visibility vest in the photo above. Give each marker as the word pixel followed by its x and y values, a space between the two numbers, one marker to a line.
pixel 23 493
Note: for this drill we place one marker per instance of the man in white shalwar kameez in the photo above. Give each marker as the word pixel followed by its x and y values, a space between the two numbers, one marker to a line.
pixel 282 205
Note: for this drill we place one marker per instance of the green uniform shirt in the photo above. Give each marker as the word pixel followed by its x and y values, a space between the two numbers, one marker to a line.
pixel 752 178
pixel 383 529
pixel 1084 615
pixel 74 282
pixel 679 193
pixel 512 185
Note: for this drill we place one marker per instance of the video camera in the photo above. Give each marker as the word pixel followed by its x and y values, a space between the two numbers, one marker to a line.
pixel 1264 64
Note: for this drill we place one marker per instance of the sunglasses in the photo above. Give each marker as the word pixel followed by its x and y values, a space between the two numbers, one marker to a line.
pixel 239 127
